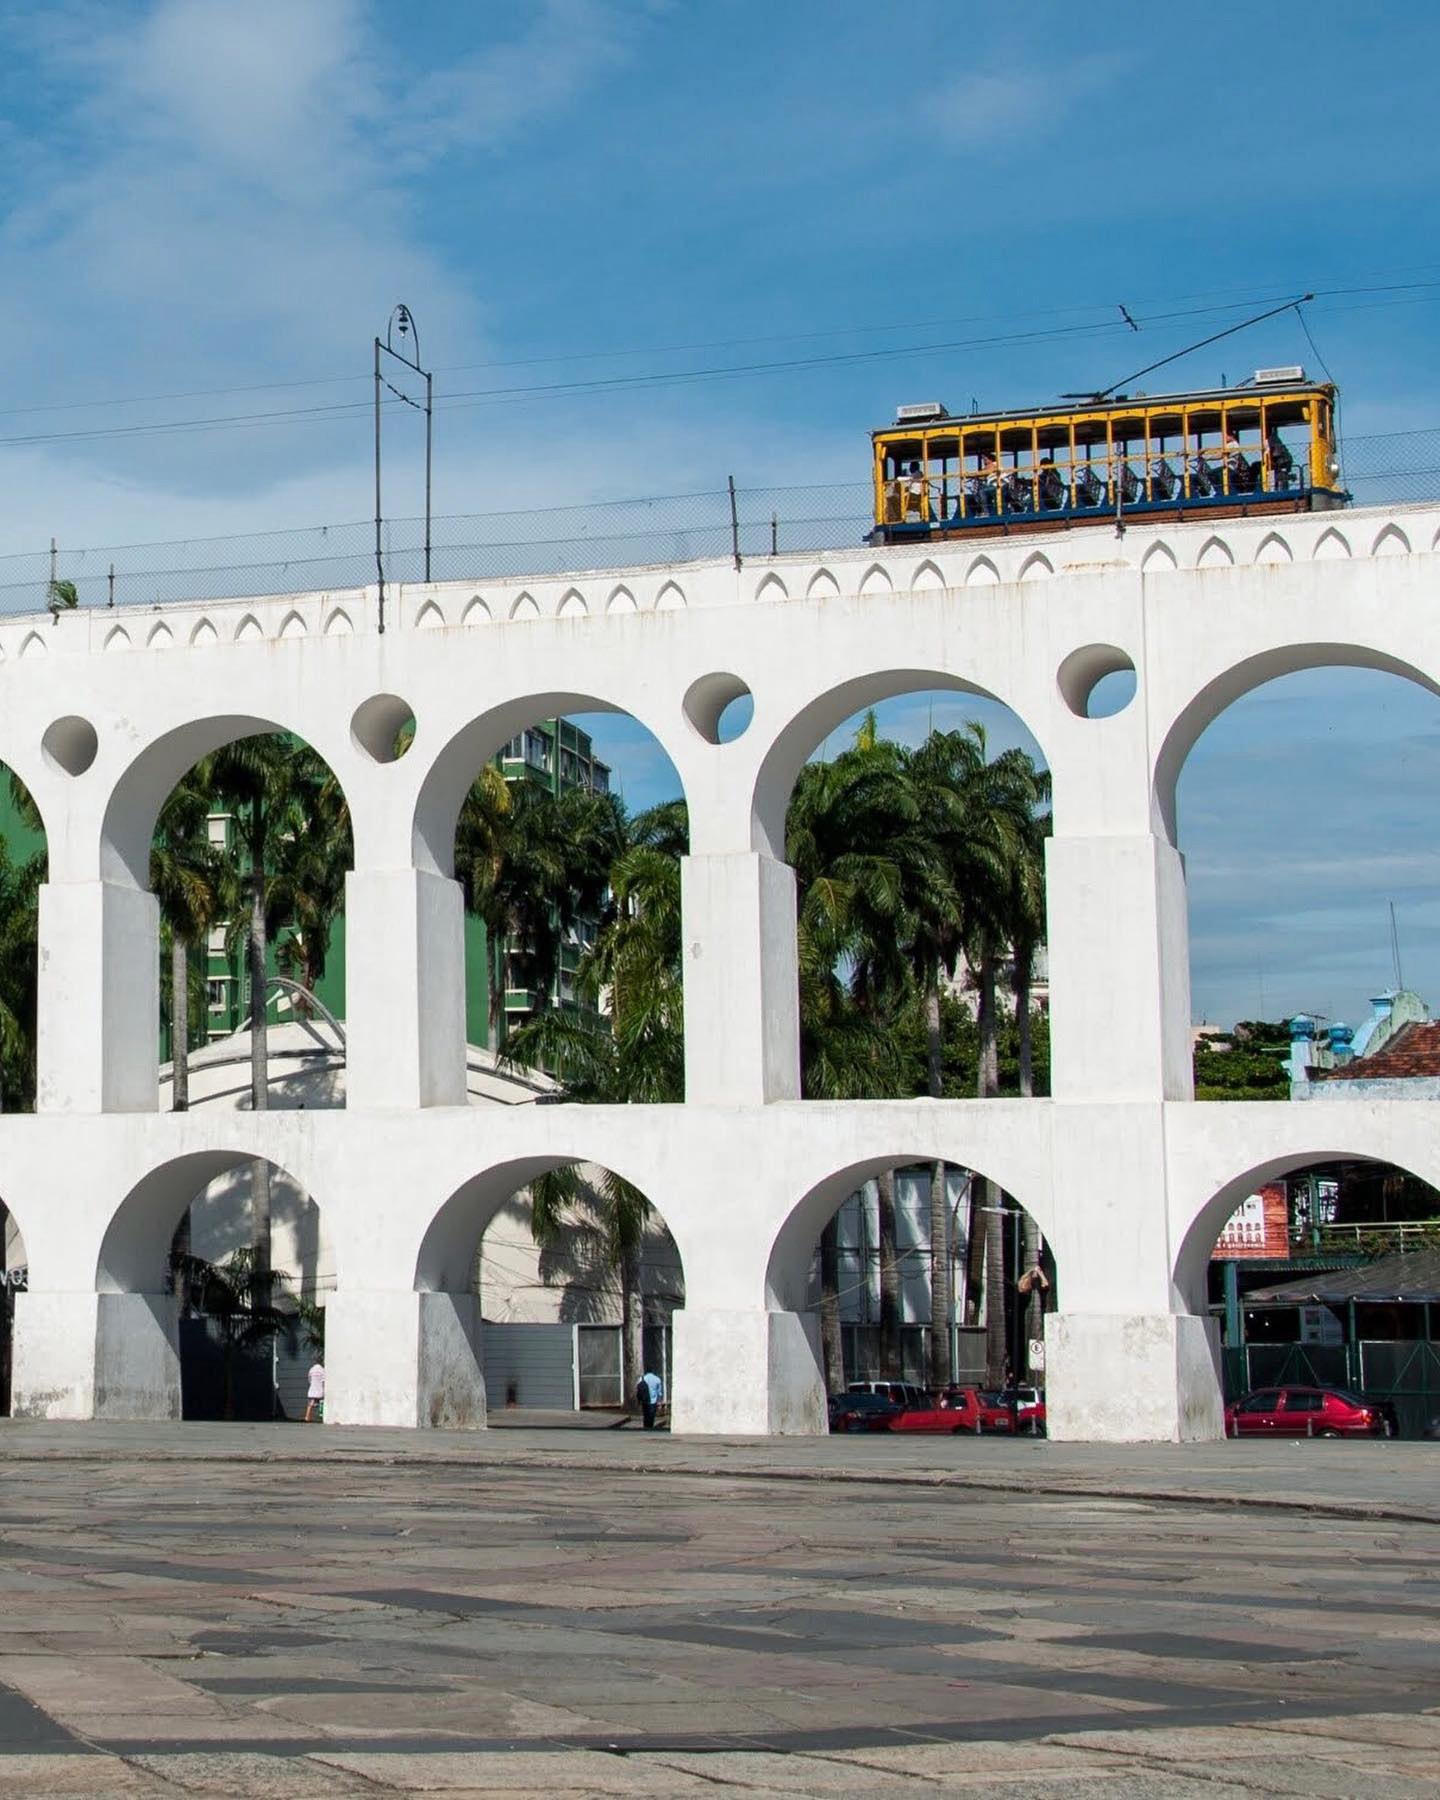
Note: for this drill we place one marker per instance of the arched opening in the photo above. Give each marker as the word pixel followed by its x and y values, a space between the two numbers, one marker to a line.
pixel 1301 792
pixel 242 833
pixel 248 860
pixel 915 827
pixel 215 1306
pixel 23 870
pixel 564 827
pixel 572 1278
pixel 922 1273
pixel 14 1269
pixel 1323 1272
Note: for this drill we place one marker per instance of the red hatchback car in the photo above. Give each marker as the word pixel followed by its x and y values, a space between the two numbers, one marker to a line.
pixel 1305 1412
pixel 959 1410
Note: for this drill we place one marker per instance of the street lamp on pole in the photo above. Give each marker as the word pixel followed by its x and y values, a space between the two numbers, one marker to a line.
pixel 401 325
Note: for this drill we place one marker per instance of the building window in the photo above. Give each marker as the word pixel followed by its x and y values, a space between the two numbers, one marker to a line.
pixel 216 992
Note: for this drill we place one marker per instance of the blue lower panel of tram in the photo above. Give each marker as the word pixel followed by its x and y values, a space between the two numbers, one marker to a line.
pixel 1297 499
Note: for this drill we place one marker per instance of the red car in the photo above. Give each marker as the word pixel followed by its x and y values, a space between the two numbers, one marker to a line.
pixel 1305 1412
pixel 958 1410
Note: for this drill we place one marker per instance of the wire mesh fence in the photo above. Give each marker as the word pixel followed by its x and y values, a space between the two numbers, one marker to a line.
pixel 1395 467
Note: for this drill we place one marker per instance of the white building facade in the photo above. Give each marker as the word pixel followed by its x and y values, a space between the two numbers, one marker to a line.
pixel 1128 1178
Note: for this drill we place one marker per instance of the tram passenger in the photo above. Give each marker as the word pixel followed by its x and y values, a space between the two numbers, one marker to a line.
pixel 1052 486
pixel 914 491
pixel 1241 473
pixel 1282 463
pixel 980 490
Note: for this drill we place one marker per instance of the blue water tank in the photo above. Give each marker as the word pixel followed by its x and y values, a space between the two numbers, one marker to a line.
pixel 1302 1026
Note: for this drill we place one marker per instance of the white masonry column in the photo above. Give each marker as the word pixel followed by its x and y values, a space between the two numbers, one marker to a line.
pixel 404 990
pixel 747 1373
pixel 1124 1362
pixel 401 1358
pixel 97 1030
pixel 742 1004
pixel 96 1356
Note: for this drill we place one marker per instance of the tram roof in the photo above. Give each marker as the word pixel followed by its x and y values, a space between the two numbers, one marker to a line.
pixel 1119 403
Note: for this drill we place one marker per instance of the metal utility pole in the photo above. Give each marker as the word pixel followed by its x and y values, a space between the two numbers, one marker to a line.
pixel 401 324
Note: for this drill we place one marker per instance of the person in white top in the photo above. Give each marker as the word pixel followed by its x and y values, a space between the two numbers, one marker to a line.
pixel 316 1396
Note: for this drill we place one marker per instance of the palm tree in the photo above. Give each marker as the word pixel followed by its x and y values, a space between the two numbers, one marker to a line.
pixel 533 880
pixel 1005 793
pixel 273 786
pixel 853 832
pixel 236 1294
pixel 187 878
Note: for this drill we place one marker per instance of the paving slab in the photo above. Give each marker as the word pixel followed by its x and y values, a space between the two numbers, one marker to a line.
pixel 496 1624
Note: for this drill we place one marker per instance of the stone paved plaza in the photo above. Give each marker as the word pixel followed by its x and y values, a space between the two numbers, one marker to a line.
pixel 271 1611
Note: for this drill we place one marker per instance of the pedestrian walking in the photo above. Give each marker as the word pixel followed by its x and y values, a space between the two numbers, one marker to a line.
pixel 649 1391
pixel 315 1397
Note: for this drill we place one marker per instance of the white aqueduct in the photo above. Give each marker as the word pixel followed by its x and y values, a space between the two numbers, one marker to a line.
pixel 1127 1176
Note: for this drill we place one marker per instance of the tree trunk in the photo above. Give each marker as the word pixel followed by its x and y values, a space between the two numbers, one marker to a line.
pixel 632 1324
pixel 942 1370
pixel 982 1198
pixel 1024 959
pixel 997 1312
pixel 260 1232
pixel 1035 1299
pixel 941 1366
pixel 890 1359
pixel 832 1344
pixel 1034 1244
pixel 179 1023
pixel 988 1072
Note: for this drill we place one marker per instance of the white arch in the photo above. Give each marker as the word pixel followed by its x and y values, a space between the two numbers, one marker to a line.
pixel 1036 567
pixel 1215 553
pixel 772 588
pixel 876 580
pixel 823 586
pixel 573 605
pixel 204 633
pixel 982 573
pixel 621 601
pixel 1273 549
pixel 925 577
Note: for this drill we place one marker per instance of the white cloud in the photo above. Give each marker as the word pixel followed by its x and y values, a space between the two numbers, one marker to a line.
pixel 1006 111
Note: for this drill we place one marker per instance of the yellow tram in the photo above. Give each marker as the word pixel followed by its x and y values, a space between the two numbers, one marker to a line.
pixel 1265 447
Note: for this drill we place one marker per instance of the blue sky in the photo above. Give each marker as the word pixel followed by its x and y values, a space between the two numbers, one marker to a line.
pixel 206 196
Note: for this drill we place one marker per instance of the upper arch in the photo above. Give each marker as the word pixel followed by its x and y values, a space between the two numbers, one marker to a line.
pixel 455 766
pixel 142 789
pixel 1241 678
pixel 812 723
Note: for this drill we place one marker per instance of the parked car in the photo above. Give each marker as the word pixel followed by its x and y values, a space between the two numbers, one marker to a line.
pixel 1028 1406
pixel 903 1393
pixel 957 1410
pixel 1307 1412
pixel 861 1412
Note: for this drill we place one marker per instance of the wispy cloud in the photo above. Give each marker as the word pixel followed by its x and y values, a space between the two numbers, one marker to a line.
pixel 1007 110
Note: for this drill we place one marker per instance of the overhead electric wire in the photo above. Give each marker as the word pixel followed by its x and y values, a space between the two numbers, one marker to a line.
pixel 1220 301
pixel 465 399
